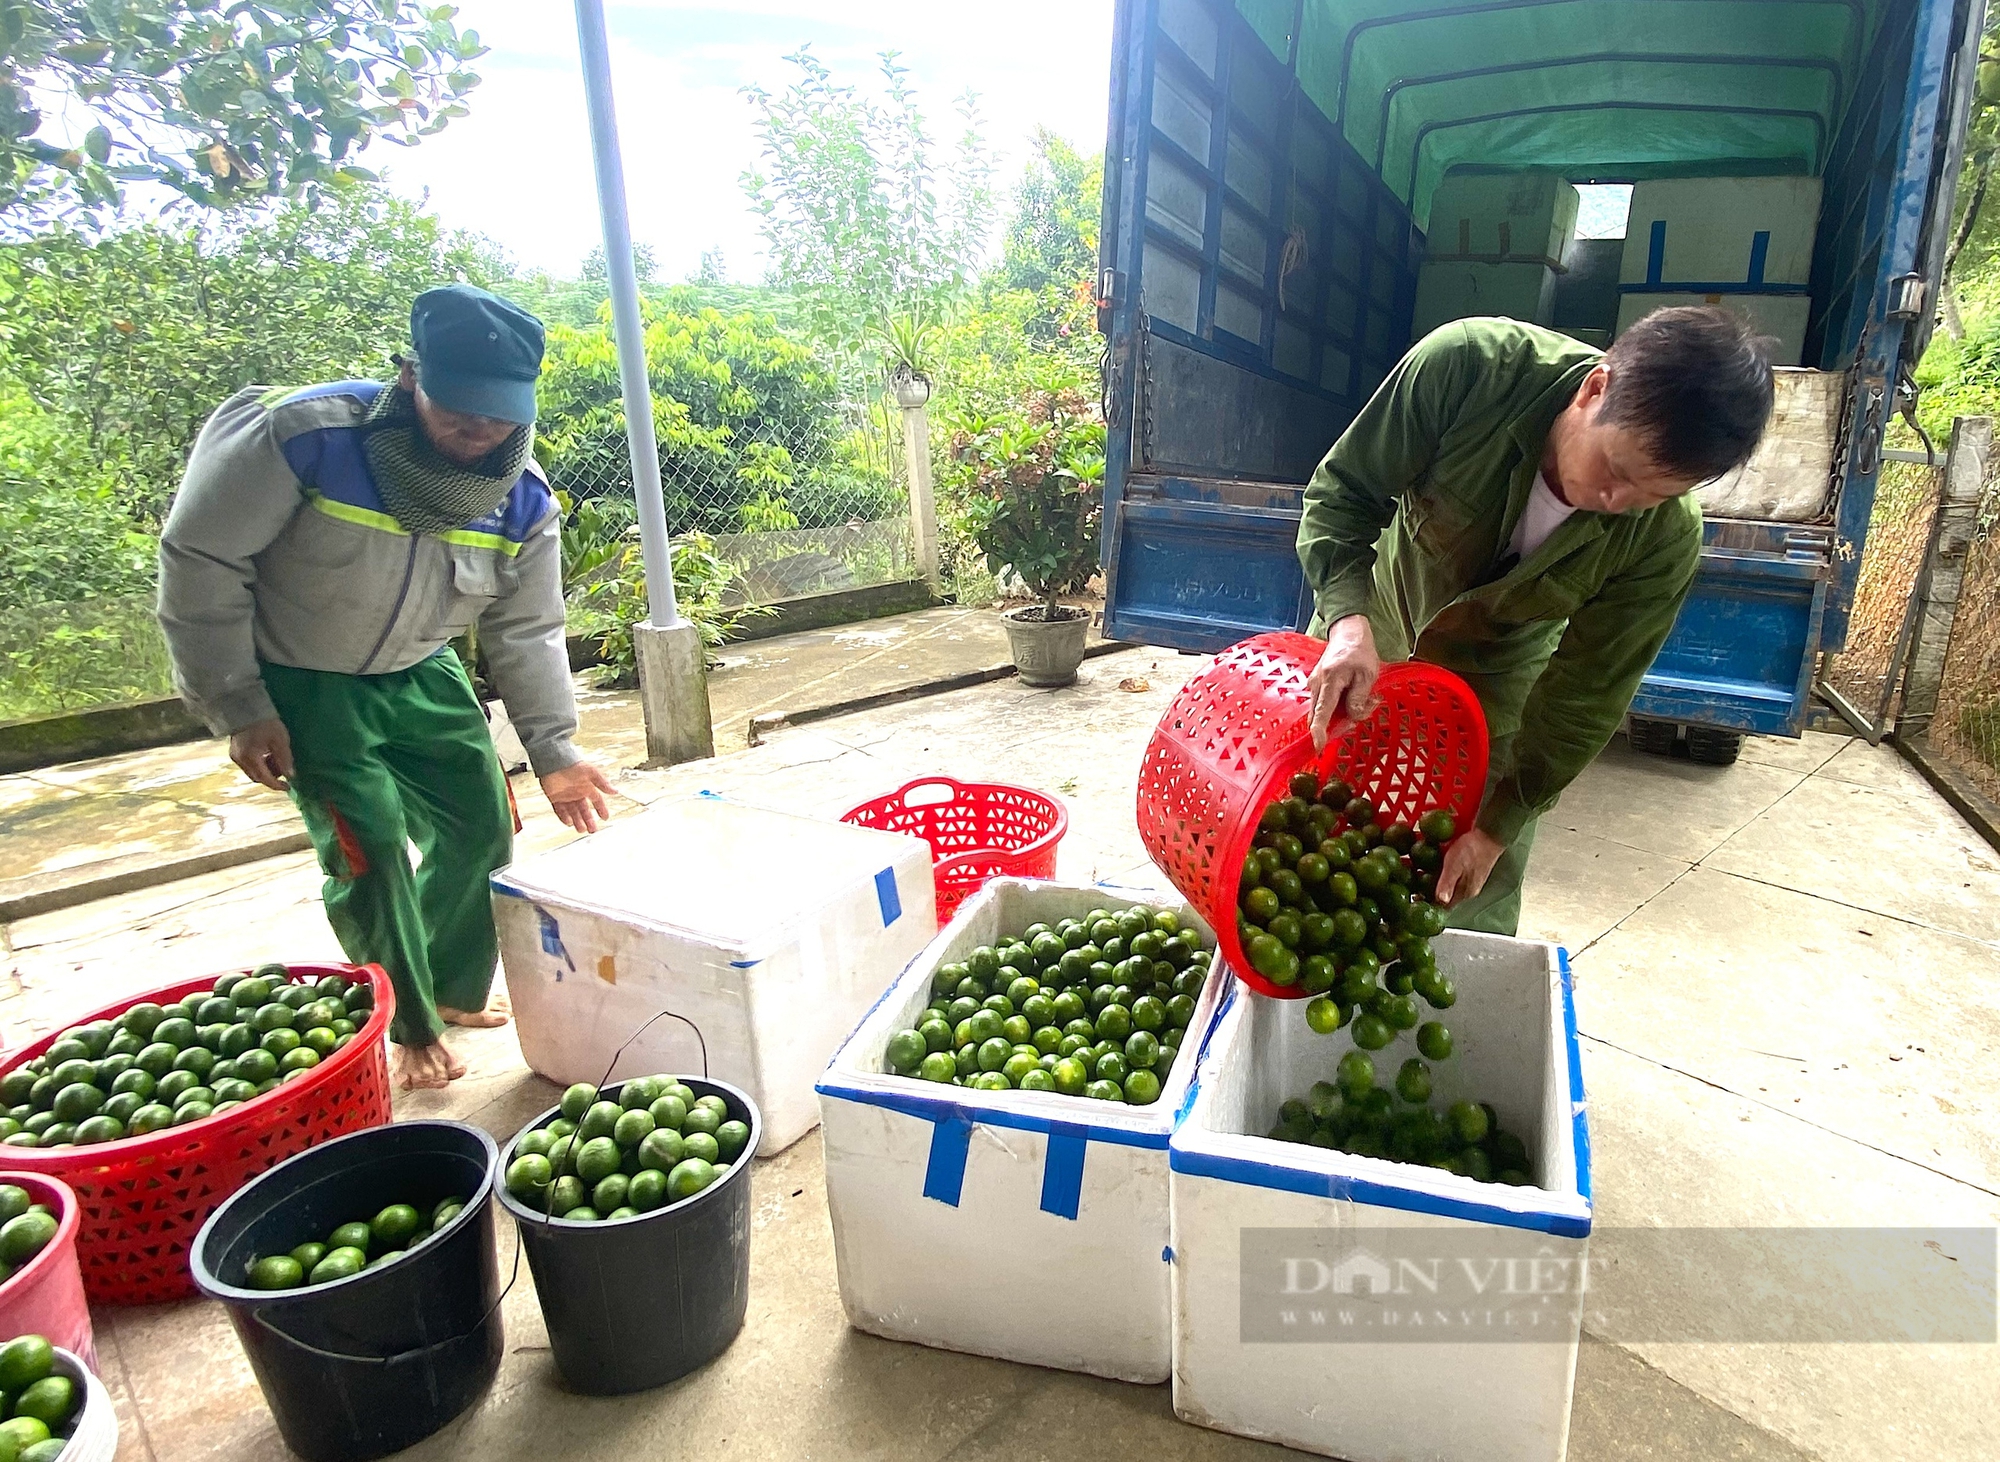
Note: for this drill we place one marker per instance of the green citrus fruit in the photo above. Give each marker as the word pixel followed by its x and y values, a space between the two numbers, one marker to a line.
pixel 632 1128
pixel 394 1226
pixel 352 1236
pixel 1434 1041
pixel 277 1271
pixel 661 1150
pixel 25 1360
pixel 689 1177
pixel 340 1262
pixel 22 1238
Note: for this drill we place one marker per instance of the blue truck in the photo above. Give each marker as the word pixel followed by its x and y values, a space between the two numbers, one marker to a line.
pixel 1268 175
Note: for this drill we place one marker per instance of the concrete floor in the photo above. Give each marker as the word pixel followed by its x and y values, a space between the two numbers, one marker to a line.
pixel 1787 978
pixel 182 799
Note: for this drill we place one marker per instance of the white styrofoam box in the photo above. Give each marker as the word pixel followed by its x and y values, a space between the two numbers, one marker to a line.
pixel 771 933
pixel 928 1183
pixel 1526 215
pixel 1695 233
pixel 1781 316
pixel 1790 476
pixel 1445 1400
pixel 1449 290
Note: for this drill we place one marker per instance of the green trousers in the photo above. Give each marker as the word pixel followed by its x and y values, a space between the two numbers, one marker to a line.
pixel 383 761
pixel 1496 909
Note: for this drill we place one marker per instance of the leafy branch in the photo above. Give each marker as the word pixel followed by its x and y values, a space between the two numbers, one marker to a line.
pixel 218 102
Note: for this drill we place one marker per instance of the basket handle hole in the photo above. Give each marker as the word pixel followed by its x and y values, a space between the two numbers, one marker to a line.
pixel 930 794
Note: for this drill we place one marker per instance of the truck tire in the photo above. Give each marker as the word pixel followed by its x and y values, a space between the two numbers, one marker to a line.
pixel 1714 748
pixel 1649 735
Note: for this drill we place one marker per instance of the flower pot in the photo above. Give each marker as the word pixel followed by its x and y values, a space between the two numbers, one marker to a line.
pixel 1047 651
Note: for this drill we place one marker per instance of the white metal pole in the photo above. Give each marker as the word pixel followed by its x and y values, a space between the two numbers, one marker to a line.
pixel 654 543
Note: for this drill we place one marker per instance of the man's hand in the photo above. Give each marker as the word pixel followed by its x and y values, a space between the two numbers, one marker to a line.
pixel 264 750
pixel 577 794
pixel 1345 675
pixel 1468 862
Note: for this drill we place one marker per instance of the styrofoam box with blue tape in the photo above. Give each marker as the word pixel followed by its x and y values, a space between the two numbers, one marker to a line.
pixel 928 1183
pixel 1707 235
pixel 771 933
pixel 1269 1346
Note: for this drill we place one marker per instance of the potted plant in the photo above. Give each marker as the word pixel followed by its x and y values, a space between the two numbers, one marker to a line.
pixel 905 341
pixel 1036 516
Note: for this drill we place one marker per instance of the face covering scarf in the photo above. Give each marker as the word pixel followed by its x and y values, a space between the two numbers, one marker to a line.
pixel 423 491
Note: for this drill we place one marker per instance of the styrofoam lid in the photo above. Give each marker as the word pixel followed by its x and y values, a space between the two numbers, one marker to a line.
pixel 713 867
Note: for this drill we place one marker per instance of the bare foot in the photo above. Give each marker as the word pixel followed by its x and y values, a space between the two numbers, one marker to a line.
pixel 498 1011
pixel 423 1068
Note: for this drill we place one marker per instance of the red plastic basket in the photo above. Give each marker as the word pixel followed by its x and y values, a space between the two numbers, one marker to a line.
pixel 1235 734
pixel 977 831
pixel 45 1295
pixel 143 1199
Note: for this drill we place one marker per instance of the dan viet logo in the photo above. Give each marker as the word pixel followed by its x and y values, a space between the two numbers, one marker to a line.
pixel 1470 1282
pixel 1359 1273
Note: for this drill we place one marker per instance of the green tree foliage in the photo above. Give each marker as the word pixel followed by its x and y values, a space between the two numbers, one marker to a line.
pixel 1052 237
pixel 586 299
pixel 747 417
pixel 131 339
pixel 64 532
pixel 218 101
pixel 866 217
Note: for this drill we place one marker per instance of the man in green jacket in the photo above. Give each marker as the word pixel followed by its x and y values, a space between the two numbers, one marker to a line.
pixel 1514 506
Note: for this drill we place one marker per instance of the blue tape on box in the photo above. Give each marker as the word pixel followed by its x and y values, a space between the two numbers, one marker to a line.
pixel 1062 1168
pixel 1579 1118
pixel 944 1173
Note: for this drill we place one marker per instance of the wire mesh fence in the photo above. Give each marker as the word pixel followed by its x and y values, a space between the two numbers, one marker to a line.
pixel 796 497
pixel 1965 730
pixel 1866 672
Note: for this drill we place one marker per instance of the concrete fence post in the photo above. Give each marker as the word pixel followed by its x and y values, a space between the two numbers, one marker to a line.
pixel 1938 585
pixel 912 394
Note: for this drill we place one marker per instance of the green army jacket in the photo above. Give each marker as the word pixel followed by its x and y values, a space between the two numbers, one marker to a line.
pixel 1408 518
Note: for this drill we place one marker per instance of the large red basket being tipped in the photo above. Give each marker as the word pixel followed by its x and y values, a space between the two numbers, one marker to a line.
pixel 1231 740
pixel 978 831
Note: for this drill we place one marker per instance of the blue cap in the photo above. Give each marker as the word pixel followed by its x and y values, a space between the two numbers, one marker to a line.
pixel 476 352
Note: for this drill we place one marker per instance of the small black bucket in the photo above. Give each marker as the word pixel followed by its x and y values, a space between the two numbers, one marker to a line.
pixel 639 1302
pixel 376 1362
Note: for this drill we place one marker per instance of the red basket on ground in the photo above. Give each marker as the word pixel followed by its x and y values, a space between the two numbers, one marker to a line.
pixel 45 1295
pixel 143 1199
pixel 977 831
pixel 1233 736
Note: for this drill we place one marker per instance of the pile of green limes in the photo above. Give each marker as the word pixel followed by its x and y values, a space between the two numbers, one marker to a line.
pixel 625 1151
pixel 161 1066
pixel 26 1227
pixel 1336 899
pixel 1094 1007
pixel 1355 1115
pixel 365 1243
pixel 1338 903
pixel 40 1406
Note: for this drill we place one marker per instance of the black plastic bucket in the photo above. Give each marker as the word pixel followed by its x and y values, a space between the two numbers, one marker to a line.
pixel 642 1301
pixel 373 1363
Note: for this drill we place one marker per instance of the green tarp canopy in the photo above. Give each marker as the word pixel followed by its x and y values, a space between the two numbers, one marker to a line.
pixel 1607 88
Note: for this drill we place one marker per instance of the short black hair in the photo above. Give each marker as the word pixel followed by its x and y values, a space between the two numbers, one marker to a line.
pixel 1695 383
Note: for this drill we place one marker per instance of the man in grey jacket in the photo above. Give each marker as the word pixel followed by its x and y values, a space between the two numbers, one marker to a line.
pixel 324 547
